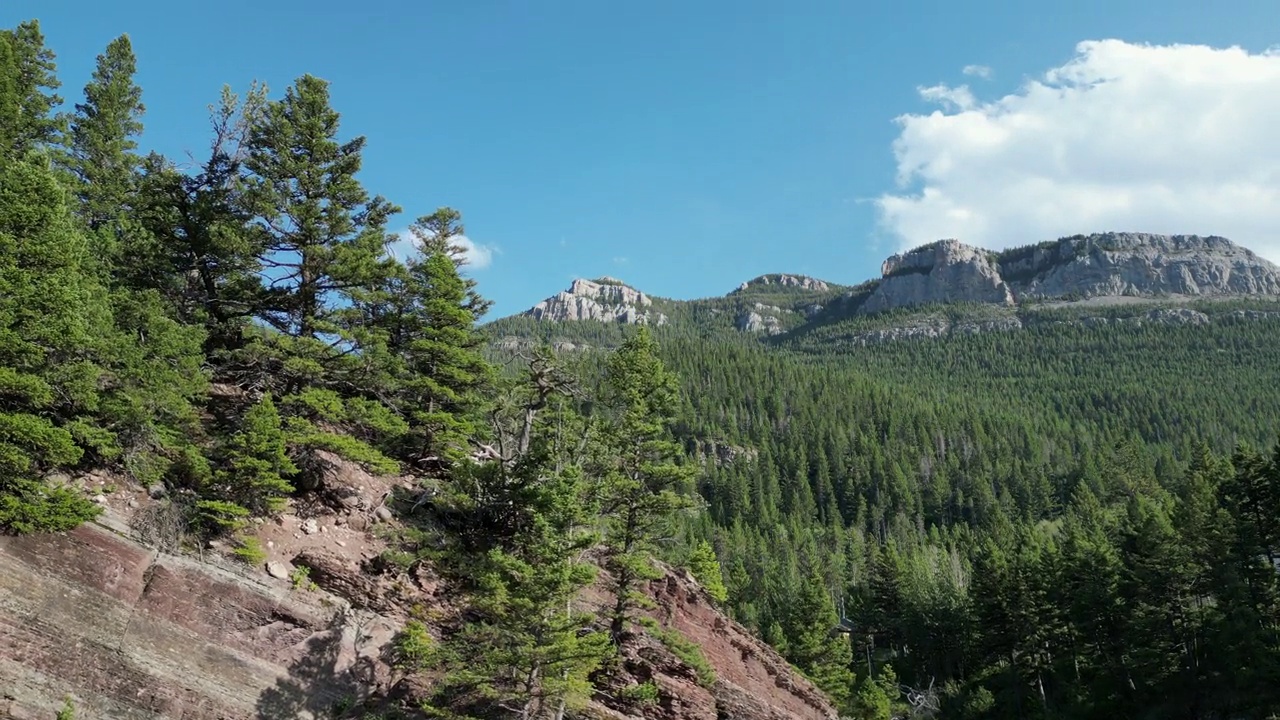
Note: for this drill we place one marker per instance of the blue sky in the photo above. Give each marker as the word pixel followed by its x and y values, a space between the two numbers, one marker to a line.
pixel 682 146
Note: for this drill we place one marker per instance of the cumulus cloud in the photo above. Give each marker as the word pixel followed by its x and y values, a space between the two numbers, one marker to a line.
pixel 981 71
pixel 1167 139
pixel 478 256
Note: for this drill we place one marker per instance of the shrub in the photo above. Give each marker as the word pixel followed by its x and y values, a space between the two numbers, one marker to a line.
pixel 645 693
pixel 249 550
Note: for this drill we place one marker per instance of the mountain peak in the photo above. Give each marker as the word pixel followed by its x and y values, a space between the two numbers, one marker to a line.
pixel 1081 266
pixel 604 299
pixel 783 280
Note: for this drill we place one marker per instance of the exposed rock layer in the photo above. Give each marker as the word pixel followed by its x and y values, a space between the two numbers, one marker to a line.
pixel 802 282
pixel 132 634
pixel 1108 264
pixel 604 300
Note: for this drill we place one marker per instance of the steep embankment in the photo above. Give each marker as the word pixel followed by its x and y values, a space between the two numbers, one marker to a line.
pixel 132 633
pixel 129 633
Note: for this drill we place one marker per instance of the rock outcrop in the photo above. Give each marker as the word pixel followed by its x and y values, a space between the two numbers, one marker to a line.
pixel 943 272
pixel 752 679
pixel 602 300
pixel 1125 264
pixel 131 633
pixel 1078 267
pixel 761 318
pixel 800 282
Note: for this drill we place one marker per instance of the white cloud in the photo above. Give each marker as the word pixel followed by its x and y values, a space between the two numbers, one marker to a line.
pixel 958 98
pixel 478 256
pixel 620 260
pixel 1169 139
pixel 981 71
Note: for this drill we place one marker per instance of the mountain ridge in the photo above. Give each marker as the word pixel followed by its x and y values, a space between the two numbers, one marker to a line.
pixel 1103 268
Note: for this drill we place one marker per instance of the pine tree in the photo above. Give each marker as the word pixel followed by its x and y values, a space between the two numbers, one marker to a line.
pixel 253 469
pixel 153 360
pixel 641 484
pixel 28 85
pixel 47 379
pixel 323 236
pixel 522 536
pixel 434 330
pixel 204 259
pixel 322 241
pixel 104 129
pixel 812 645
pixel 870 702
pixel 706 568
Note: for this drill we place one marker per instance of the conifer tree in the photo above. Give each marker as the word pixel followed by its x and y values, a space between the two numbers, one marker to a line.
pixel 820 653
pixel 47 379
pixel 642 482
pixel 322 243
pixel 323 237
pixel 434 331
pixel 706 568
pixel 104 131
pixel 28 91
pixel 255 467
pixel 205 258
pixel 153 360
pixel 523 525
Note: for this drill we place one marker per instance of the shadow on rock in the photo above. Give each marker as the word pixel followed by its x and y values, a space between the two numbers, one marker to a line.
pixel 317 685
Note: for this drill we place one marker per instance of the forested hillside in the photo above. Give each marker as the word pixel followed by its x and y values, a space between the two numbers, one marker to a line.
pixel 1077 519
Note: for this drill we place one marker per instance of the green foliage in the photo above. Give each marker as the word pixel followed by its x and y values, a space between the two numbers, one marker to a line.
pixel 821 655
pixel 642 694
pixel 430 319
pixel 684 649
pixel 640 477
pixel 870 702
pixel 706 569
pixel 45 326
pixel 249 550
pixel 28 84
pixel 414 647
pixel 518 533
pixel 104 129
pixel 255 463
pixel 300 579
pixel 68 711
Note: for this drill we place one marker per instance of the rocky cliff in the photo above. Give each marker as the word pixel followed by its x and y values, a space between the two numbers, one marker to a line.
pixel 1129 264
pixel 781 280
pixel 942 272
pixel 603 300
pixel 1078 267
pixel 132 633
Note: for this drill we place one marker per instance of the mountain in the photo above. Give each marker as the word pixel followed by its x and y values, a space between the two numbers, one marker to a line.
pixel 1079 267
pixel 1154 276
pixel 605 299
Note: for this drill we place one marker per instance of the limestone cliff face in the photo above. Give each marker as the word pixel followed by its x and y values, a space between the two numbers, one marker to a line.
pixel 1139 264
pixel 1079 267
pixel 602 300
pixel 801 282
pixel 942 272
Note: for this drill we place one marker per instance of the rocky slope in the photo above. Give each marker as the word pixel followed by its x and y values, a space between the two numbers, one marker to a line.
pixel 1079 267
pixel 603 300
pixel 130 632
